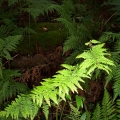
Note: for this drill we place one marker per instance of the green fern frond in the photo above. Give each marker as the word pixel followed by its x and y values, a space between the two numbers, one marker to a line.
pixel 116 85
pixel 118 108
pixel 59 85
pixel 96 113
pixel 115 70
pixel 107 36
pixel 74 113
pixel 117 46
pixel 88 115
pixel 71 43
pixel 22 105
pixel 8 87
pixel 108 108
pixel 37 7
pixel 8 44
pixel 45 108
pixel 96 59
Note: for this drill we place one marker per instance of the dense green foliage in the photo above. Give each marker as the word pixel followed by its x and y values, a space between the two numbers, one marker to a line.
pixel 90 60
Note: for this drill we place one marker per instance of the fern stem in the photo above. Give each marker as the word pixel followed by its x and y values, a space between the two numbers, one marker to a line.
pixel 57 113
pixel 62 111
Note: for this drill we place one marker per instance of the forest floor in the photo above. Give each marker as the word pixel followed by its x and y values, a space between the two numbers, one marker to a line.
pixel 44 65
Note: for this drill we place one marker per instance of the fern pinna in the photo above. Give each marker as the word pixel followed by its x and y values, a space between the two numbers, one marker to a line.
pixel 106 110
pixel 8 86
pixel 65 80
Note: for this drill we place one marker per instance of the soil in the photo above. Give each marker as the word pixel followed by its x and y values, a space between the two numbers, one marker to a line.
pixel 37 67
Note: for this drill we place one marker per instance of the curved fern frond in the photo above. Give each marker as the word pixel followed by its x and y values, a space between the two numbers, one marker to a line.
pixel 59 85
pixel 22 105
pixel 95 58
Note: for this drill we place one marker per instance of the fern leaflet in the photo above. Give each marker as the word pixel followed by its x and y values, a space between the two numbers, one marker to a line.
pixel 97 113
pixel 22 105
pixel 95 58
pixel 8 44
pixel 108 108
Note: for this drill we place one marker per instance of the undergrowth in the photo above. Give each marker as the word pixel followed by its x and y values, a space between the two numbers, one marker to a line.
pixel 89 61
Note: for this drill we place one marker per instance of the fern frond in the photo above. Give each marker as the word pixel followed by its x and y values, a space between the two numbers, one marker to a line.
pixel 59 85
pixel 71 43
pixel 116 85
pixel 37 7
pixel 118 108
pixel 108 108
pixel 22 105
pixel 45 108
pixel 74 113
pixel 115 70
pixel 96 58
pixel 88 115
pixel 8 87
pixel 117 46
pixel 96 113
pixel 107 36
pixel 8 44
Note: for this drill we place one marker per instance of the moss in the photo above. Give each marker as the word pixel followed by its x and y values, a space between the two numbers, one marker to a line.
pixel 47 40
pixel 38 27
